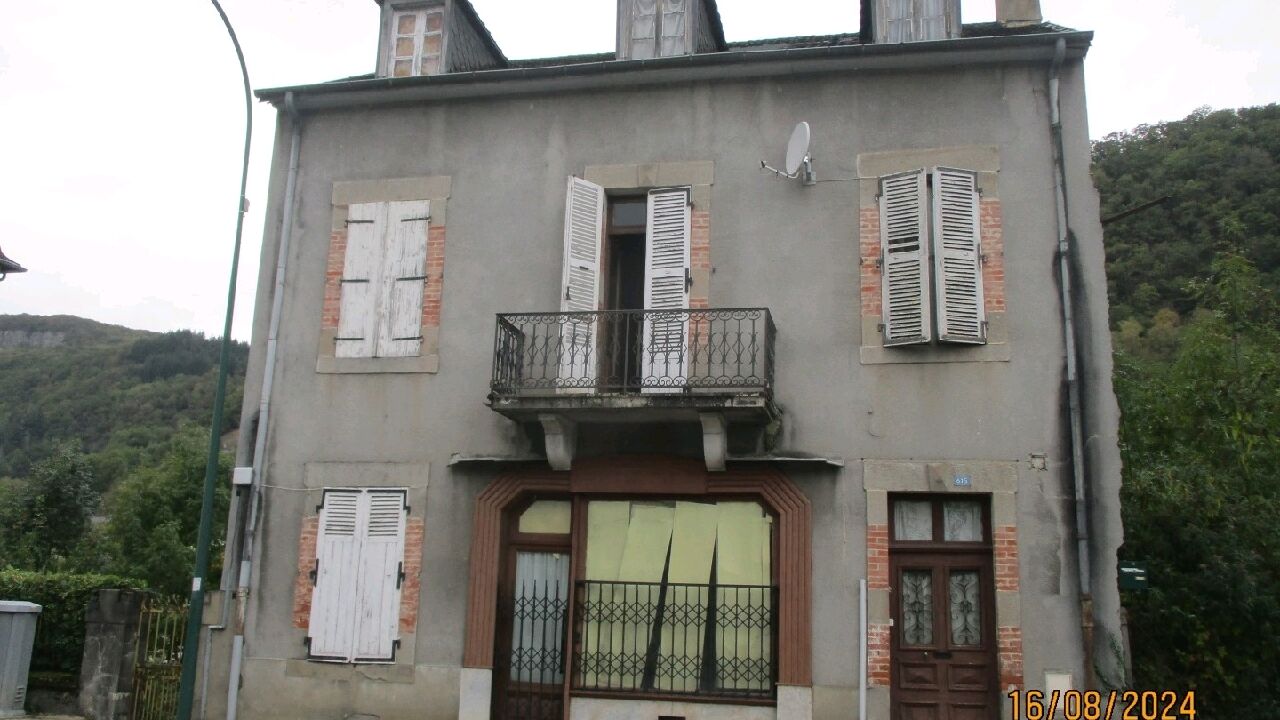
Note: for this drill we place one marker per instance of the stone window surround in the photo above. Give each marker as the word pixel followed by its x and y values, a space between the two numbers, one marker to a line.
pixel 316 477
pixel 985 161
pixel 436 190
pixel 995 479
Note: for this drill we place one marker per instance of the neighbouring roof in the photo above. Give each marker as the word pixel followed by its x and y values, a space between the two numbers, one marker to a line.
pixel 8 265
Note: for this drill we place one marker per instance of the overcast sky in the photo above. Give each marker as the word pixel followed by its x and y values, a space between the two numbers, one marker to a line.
pixel 121 122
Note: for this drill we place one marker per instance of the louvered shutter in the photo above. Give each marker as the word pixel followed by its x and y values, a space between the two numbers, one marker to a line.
pixel 675 28
pixel 361 281
pixel 957 248
pixel 583 232
pixel 404 276
pixel 377 597
pixel 905 256
pixel 644 27
pixel 336 576
pixel 664 350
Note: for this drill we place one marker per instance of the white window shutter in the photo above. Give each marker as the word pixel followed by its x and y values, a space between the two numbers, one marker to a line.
pixel 664 359
pixel 361 281
pixel 905 255
pixel 337 567
pixel 404 276
pixel 580 289
pixel 957 247
pixel 676 39
pixel 644 28
pixel 377 596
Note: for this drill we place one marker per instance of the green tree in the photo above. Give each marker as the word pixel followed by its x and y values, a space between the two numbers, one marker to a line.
pixel 1201 498
pixel 44 519
pixel 155 511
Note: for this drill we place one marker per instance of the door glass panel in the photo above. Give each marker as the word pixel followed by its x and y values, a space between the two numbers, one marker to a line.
pixel 538 616
pixel 962 521
pixel 965 608
pixel 912 520
pixel 917 607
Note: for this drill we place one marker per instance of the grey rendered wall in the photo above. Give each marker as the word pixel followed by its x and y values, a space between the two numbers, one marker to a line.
pixel 774 244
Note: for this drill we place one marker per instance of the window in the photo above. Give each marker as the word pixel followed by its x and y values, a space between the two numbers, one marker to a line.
pixel 658 28
pixel 417 42
pixel 639 262
pixel 677 598
pixel 930 255
pixel 383 279
pixel 355 605
pixel 913 20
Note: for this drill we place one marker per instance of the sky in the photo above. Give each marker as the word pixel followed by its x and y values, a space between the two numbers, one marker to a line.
pixel 121 123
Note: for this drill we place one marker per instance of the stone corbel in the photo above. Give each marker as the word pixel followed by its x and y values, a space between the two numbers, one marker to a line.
pixel 715 440
pixel 561 435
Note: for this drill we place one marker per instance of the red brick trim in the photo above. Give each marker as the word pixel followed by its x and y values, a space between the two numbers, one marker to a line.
pixel 877 557
pixel 302 585
pixel 878 661
pixel 333 280
pixel 433 289
pixel 993 255
pixel 1009 642
pixel 1006 557
pixel 700 253
pixel 869 252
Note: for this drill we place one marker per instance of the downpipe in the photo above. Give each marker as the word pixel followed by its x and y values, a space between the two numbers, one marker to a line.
pixel 254 500
pixel 862 649
pixel 1065 239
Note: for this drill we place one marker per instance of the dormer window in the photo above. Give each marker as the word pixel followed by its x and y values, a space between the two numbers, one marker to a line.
pixel 901 21
pixel 418 42
pixel 665 28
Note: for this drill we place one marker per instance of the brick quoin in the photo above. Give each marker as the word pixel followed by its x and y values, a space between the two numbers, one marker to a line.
pixel 992 239
pixel 878 655
pixel 878 557
pixel 302 586
pixel 333 280
pixel 700 252
pixel 1009 643
pixel 409 589
pixel 433 290
pixel 1006 557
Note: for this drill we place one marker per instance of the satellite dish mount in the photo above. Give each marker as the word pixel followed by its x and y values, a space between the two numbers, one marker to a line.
pixel 799 161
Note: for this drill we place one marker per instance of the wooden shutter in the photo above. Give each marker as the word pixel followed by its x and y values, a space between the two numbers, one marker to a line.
pixel 933 19
pixel 377 596
pixel 899 20
pixel 404 276
pixel 580 292
pixel 905 256
pixel 664 358
pixel 336 576
pixel 361 281
pixel 957 238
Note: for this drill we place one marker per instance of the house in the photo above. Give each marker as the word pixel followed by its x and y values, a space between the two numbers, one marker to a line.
pixel 559 405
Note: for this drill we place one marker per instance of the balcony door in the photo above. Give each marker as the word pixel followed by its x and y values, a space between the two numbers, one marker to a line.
pixel 943 650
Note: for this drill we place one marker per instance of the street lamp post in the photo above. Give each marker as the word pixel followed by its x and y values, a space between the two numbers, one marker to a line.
pixel 186 688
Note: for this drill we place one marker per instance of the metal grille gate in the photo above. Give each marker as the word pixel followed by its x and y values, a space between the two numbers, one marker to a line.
pixel 533 672
pixel 158 663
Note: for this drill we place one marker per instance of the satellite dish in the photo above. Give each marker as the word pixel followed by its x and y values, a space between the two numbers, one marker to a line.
pixel 798 148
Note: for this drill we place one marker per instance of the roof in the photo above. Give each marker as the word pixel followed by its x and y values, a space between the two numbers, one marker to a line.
pixel 8 265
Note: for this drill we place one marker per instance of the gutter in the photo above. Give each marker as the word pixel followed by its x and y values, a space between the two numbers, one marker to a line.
pixel 708 67
pixel 254 499
pixel 1066 240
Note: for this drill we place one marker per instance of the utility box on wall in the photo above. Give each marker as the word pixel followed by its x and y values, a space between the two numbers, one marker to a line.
pixel 17 635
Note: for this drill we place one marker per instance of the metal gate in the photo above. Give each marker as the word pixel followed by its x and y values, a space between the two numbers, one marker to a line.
pixel 161 631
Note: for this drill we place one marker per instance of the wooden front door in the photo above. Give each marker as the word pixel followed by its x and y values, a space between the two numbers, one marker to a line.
pixel 943 649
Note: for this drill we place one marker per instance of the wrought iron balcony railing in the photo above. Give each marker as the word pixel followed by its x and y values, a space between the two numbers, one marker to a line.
pixel 675 639
pixel 634 351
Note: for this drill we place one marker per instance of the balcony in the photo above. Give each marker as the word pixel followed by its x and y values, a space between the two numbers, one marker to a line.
pixel 621 366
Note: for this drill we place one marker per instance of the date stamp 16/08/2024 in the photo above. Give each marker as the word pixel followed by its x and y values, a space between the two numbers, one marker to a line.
pixel 1093 705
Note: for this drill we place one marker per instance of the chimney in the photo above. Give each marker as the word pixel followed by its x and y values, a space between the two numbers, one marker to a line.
pixel 1018 13
pixel 664 28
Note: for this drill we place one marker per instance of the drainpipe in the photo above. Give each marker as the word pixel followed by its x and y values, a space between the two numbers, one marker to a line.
pixel 862 649
pixel 264 413
pixel 1065 238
